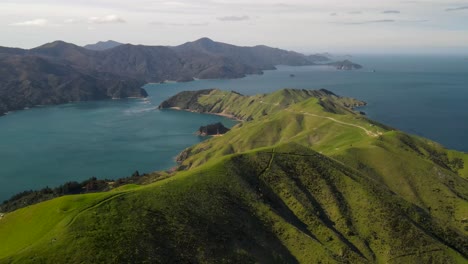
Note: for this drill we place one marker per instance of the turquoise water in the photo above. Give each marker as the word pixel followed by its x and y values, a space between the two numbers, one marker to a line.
pixel 47 146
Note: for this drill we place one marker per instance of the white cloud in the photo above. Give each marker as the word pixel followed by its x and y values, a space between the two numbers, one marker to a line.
pixel 234 18
pixel 457 8
pixel 71 21
pixel 391 12
pixel 109 19
pixel 40 22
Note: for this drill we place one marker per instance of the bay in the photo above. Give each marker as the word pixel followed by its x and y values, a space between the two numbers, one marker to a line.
pixel 47 146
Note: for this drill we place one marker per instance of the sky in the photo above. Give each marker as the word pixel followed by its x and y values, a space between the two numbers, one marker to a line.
pixel 309 26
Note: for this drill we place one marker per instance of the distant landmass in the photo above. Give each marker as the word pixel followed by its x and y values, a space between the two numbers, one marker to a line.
pixel 345 65
pixel 103 45
pixel 61 72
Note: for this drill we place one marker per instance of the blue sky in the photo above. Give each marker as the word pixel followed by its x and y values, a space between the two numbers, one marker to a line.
pixel 305 25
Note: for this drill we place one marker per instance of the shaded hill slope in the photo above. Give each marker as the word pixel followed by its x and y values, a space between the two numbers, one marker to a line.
pixel 27 81
pixel 261 57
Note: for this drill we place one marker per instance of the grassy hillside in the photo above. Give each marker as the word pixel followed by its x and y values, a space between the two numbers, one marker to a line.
pixel 304 180
pixel 420 171
pixel 253 107
pixel 286 204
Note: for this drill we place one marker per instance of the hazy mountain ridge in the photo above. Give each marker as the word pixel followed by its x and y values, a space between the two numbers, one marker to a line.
pixel 27 81
pixel 133 64
pixel 103 45
pixel 262 57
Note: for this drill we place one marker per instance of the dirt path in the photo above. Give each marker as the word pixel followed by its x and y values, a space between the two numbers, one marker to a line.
pixel 107 199
pixel 368 132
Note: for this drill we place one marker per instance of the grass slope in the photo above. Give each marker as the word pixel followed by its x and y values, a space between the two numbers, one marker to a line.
pixel 287 204
pixel 422 172
pixel 253 107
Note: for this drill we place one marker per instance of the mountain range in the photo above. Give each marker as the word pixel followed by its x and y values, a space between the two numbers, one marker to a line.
pixel 61 72
pixel 103 45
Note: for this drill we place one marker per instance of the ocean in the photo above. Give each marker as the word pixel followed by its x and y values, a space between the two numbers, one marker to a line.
pixel 48 146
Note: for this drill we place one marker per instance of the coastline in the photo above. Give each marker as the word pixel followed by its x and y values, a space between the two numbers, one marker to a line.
pixel 69 102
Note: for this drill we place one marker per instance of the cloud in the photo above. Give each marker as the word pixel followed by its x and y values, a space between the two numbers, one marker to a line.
pixel 233 18
pixel 109 19
pixel 414 21
pixel 369 22
pixel 40 22
pixel 457 8
pixel 381 21
pixel 333 14
pixel 198 24
pixel 71 21
pixel 391 12
pixel 159 23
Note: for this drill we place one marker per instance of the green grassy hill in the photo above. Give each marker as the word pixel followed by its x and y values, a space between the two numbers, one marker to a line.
pixel 285 204
pixel 247 108
pixel 419 170
pixel 305 180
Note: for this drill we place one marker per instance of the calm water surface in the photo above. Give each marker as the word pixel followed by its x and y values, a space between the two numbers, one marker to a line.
pixel 47 146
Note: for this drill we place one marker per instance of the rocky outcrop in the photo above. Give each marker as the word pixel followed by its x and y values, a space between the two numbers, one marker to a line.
pixel 212 129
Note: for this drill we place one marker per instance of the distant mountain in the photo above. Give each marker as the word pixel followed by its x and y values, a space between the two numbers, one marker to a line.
pixel 319 57
pixel 103 45
pixel 129 64
pixel 261 57
pixel 26 81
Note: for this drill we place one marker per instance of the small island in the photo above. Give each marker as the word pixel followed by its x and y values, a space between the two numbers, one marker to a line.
pixel 345 65
pixel 212 130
